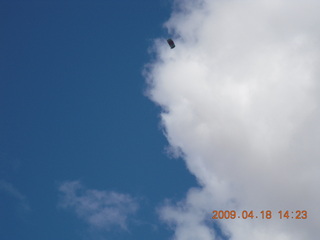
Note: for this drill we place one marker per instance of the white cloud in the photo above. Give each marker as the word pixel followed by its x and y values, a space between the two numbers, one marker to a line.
pixel 240 99
pixel 100 209
pixel 15 193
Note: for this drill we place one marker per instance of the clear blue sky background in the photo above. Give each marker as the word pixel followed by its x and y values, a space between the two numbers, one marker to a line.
pixel 72 108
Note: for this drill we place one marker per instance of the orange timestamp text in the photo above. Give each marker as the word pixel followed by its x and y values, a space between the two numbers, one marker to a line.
pixel 265 214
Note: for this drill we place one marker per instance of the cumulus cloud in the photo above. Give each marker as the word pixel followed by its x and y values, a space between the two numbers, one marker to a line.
pixel 240 100
pixel 100 209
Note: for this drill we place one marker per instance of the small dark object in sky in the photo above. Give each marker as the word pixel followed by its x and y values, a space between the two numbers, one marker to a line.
pixel 171 43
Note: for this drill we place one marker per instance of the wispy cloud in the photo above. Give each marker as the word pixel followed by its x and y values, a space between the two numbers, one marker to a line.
pixel 240 99
pixel 100 209
pixel 10 190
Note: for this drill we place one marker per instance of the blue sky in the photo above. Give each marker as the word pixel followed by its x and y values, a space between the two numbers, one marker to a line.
pixel 73 108
pixel 94 106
